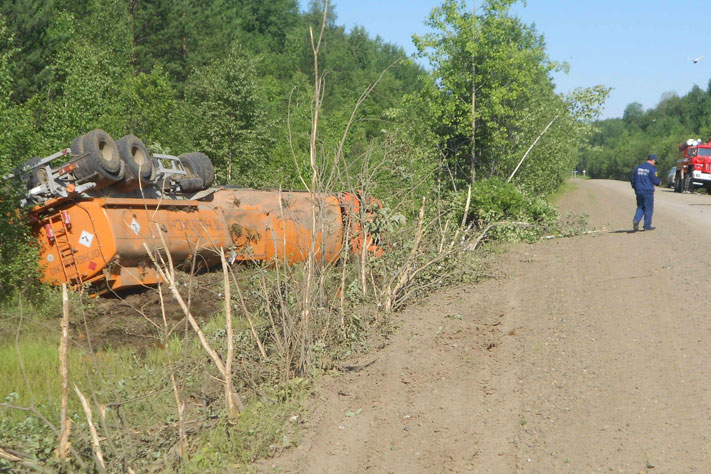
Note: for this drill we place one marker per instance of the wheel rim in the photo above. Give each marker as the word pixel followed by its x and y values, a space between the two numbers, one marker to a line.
pixel 138 156
pixel 42 176
pixel 106 153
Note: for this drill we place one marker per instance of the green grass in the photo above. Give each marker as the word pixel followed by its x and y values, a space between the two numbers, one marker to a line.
pixel 39 381
pixel 262 429
pixel 143 432
pixel 567 186
pixel 140 381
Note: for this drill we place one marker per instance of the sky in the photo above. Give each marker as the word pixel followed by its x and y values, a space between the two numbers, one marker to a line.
pixel 642 49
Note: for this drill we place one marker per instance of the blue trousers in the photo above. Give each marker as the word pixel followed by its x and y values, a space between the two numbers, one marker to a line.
pixel 645 207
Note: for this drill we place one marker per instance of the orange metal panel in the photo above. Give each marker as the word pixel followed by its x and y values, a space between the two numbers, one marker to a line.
pixel 90 243
pixel 268 224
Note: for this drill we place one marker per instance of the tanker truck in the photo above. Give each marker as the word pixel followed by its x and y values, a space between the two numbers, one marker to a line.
pixel 99 213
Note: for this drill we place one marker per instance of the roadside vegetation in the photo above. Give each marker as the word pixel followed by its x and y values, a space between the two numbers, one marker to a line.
pixel 460 154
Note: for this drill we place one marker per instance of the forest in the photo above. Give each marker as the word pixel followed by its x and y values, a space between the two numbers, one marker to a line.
pixel 620 144
pixel 233 79
pixel 461 144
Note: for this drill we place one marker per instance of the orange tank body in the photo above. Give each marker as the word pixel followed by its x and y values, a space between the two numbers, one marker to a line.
pixel 102 241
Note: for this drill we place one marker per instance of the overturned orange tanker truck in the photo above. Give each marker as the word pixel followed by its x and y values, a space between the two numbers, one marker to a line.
pixel 99 214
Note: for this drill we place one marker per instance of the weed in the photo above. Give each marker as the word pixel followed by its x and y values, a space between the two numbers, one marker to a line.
pixel 573 224
pixel 265 427
pixel 564 188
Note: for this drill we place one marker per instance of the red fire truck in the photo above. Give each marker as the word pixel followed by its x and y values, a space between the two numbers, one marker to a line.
pixel 693 168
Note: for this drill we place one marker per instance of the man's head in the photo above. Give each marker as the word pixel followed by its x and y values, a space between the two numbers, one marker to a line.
pixel 652 158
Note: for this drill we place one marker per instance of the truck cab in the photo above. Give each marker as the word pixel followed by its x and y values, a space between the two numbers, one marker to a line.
pixel 693 167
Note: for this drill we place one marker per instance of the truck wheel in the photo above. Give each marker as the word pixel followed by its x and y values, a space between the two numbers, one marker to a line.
pixel 102 159
pixel 102 148
pixel 688 183
pixel 139 162
pixel 199 166
pixel 677 183
pixel 191 185
pixel 77 148
pixel 35 175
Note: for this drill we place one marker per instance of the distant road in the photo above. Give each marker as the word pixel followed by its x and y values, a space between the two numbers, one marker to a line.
pixel 669 206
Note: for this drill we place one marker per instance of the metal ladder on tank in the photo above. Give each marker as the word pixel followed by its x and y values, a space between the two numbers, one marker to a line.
pixel 70 267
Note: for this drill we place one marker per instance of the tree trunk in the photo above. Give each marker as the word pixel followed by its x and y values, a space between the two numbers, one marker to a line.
pixel 473 155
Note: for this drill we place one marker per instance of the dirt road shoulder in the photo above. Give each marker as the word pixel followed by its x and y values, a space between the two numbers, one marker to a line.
pixel 581 358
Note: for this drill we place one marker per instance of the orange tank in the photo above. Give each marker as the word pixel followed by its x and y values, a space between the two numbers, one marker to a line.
pixel 102 241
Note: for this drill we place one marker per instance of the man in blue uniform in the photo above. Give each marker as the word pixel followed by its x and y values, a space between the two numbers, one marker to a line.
pixel 644 179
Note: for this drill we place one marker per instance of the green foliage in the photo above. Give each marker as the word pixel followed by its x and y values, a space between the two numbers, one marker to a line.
pixel 31 23
pixel 18 255
pixel 232 126
pixel 150 105
pixel 90 70
pixel 263 428
pixel 618 145
pixel 491 94
pixel 31 433
pixel 573 224
pixel 514 215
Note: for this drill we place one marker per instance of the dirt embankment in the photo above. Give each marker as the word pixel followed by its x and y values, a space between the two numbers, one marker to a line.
pixel 588 354
pixel 135 318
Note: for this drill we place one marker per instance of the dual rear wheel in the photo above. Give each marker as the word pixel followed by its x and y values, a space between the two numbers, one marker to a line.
pixel 127 159
pixel 101 163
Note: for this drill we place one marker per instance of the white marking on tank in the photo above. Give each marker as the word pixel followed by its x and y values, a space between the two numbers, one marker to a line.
pixel 135 226
pixel 86 238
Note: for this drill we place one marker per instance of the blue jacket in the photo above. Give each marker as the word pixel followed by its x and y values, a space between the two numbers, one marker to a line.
pixel 644 178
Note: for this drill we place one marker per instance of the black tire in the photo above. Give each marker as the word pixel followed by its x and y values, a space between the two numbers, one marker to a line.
pixel 199 166
pixel 102 163
pixel 77 148
pixel 99 144
pixel 139 162
pixel 35 176
pixel 191 185
pixel 677 183
pixel 688 183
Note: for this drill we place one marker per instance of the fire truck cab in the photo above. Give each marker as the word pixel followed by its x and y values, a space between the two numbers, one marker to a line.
pixel 693 168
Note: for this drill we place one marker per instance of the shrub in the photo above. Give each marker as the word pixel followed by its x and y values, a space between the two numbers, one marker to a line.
pixel 19 269
pixel 516 215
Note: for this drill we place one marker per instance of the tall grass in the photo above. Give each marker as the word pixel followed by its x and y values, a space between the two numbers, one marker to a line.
pixel 28 370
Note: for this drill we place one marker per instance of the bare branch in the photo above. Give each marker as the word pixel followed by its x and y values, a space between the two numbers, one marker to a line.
pixel 96 445
pixel 64 420
pixel 196 327
pixel 231 398
pixel 22 462
pixel 531 147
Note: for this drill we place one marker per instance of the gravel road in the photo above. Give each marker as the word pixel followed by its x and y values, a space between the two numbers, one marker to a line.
pixel 589 354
